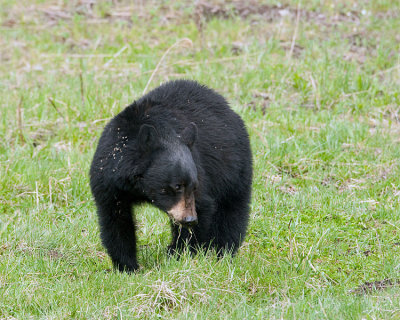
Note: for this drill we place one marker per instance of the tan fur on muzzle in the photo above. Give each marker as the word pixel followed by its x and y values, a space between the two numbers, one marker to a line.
pixel 185 208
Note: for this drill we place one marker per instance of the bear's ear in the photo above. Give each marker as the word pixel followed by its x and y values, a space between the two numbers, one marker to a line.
pixel 189 135
pixel 148 137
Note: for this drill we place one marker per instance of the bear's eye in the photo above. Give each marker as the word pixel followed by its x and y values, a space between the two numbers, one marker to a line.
pixel 178 187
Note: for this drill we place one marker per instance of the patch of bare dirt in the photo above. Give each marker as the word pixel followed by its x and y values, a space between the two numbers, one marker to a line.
pixel 330 181
pixel 352 184
pixel 40 136
pixel 260 101
pixel 370 287
pixel 4 248
pixel 297 49
pixel 203 10
pixel 389 14
pixel 360 48
pixel 288 189
pixel 9 23
pixel 245 9
pixel 55 254
pixel 367 253
pixel 56 13
pixel 25 248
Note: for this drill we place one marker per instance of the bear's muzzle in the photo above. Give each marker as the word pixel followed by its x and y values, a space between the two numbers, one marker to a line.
pixel 184 212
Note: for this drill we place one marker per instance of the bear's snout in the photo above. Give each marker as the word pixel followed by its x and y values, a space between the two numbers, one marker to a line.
pixel 184 212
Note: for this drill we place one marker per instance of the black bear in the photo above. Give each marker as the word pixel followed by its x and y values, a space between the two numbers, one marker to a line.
pixel 181 148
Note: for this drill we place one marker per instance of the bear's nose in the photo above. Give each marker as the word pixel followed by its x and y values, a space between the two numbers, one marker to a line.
pixel 189 221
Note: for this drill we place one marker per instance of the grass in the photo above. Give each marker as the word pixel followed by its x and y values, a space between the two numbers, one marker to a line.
pixel 320 99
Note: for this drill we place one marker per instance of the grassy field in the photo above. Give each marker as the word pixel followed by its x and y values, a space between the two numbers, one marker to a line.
pixel 318 85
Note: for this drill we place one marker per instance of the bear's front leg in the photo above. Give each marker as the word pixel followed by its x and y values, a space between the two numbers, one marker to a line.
pixel 117 233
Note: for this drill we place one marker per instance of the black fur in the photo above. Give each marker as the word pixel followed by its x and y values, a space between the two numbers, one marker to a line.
pixel 181 137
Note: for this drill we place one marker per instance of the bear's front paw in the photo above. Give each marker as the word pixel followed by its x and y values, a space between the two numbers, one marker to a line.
pixel 128 268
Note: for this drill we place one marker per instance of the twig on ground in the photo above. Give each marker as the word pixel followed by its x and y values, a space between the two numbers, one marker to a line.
pixel 381 72
pixel 19 119
pixel 50 193
pixel 75 55
pixel 37 196
pixel 115 56
pixel 199 22
pixel 343 96
pixel 55 107
pixel 82 90
pixel 179 42
pixel 295 30
pixel 316 93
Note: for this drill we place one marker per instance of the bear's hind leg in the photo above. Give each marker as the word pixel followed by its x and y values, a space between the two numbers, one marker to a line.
pixel 231 226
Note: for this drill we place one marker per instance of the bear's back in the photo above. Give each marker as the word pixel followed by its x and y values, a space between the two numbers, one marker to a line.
pixel 222 145
pixel 190 101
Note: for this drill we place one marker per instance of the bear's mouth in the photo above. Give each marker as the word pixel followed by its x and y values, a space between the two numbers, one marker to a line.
pixel 184 212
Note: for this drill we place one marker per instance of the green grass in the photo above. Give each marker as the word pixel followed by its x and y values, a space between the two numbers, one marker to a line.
pixel 324 125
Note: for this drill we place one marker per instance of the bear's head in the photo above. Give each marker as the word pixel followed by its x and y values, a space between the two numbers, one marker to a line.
pixel 170 180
